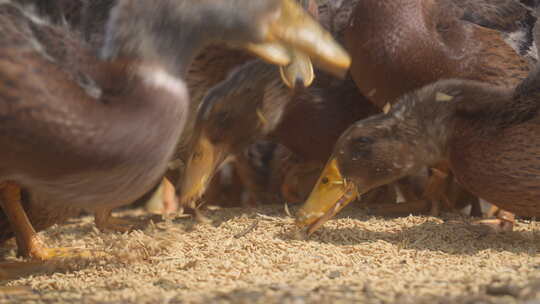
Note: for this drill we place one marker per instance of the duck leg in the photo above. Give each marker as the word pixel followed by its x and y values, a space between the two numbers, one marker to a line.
pixel 503 222
pixel 436 188
pixel 29 244
pixel 170 201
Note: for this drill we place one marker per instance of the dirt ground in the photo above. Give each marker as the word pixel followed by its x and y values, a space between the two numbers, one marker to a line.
pixel 256 256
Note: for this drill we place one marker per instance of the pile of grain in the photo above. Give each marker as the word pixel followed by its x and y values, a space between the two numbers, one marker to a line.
pixel 248 256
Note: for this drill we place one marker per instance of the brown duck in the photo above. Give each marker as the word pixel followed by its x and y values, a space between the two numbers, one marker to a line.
pixel 81 131
pixel 400 46
pixel 487 135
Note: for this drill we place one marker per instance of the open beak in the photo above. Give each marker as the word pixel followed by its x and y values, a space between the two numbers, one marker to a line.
pixel 294 29
pixel 201 167
pixel 331 193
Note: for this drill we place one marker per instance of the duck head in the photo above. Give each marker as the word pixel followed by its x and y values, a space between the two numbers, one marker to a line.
pixel 232 115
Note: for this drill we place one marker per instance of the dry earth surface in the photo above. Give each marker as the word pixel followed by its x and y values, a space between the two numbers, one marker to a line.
pixel 256 256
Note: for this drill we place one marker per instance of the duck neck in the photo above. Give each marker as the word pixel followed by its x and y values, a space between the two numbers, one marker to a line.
pixel 427 126
pixel 449 115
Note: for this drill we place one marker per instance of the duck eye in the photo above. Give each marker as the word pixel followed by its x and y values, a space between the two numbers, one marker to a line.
pixel 324 180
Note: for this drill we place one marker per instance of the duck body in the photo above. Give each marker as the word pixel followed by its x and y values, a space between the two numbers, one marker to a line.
pixel 495 151
pixel 74 131
pixel 315 118
pixel 404 45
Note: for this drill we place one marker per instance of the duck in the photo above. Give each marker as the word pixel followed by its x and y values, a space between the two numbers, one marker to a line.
pixel 87 20
pixel 400 46
pixel 460 39
pixel 485 133
pixel 96 132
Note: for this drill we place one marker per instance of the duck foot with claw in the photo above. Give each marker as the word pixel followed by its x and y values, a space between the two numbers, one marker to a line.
pixel 29 243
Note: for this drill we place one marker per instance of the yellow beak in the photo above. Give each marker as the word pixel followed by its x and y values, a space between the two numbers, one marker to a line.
pixel 294 29
pixel 330 195
pixel 200 168
pixel 299 69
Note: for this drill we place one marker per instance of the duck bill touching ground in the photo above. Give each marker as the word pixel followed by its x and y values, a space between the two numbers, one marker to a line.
pixel 205 160
pixel 331 193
